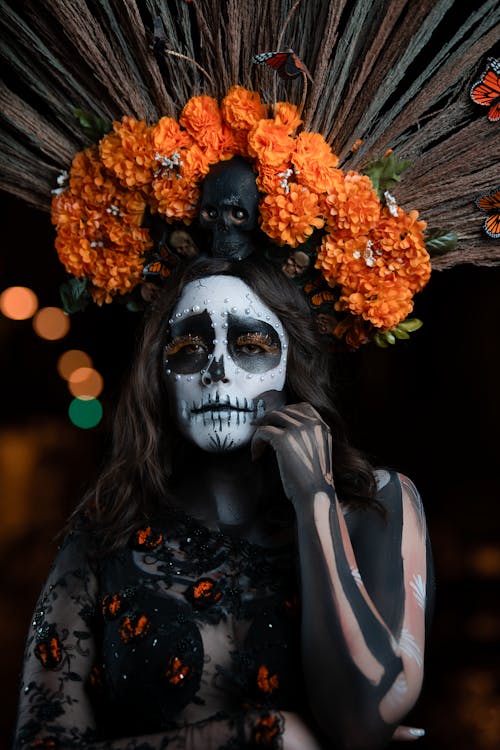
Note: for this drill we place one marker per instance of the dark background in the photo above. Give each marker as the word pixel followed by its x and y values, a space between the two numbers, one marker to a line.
pixel 428 407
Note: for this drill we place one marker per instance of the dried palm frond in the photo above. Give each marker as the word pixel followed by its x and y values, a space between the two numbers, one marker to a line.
pixel 392 73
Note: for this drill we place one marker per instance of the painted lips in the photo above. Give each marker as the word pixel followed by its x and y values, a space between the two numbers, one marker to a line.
pixel 225 404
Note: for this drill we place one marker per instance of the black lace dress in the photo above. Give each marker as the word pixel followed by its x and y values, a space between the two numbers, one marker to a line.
pixel 188 638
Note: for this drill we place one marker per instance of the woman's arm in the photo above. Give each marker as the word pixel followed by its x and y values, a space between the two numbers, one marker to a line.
pixel 362 673
pixel 56 709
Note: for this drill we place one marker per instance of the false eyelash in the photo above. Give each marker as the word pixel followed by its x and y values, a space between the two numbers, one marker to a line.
pixel 261 339
pixel 179 342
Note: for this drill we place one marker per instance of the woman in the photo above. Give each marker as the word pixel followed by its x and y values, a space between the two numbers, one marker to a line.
pixel 239 576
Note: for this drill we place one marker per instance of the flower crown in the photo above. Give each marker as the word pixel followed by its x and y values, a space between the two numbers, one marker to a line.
pixel 365 258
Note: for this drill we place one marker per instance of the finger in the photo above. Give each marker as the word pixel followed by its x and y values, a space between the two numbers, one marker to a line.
pixel 284 419
pixel 407 734
pixel 304 410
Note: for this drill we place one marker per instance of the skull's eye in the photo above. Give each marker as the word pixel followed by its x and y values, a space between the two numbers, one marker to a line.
pixel 186 345
pixel 238 214
pixel 209 213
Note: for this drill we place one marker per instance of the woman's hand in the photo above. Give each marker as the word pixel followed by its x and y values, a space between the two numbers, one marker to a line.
pixel 303 446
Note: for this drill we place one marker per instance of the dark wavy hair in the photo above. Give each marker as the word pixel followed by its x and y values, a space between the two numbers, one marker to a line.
pixel 134 484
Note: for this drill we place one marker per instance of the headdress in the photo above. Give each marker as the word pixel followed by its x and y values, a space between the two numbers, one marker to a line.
pixel 372 162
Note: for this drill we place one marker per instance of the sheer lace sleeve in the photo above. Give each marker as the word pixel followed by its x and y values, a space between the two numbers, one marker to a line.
pixel 56 707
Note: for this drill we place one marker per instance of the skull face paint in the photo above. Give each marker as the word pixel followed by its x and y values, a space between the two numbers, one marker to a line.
pixel 225 362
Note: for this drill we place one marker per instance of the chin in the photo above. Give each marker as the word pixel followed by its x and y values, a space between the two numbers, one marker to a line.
pixel 220 436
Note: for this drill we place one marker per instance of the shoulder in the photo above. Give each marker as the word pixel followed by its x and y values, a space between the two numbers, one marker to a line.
pixel 393 487
pixel 396 493
pixel 77 554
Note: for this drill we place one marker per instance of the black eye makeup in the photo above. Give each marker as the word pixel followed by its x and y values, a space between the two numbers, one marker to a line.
pixel 254 345
pixel 190 344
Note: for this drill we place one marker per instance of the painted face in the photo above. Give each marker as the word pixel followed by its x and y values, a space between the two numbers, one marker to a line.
pixel 225 362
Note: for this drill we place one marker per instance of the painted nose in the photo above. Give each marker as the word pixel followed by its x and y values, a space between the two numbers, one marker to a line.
pixel 215 372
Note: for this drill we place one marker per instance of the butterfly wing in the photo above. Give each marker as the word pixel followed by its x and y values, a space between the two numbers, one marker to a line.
pixel 492 224
pixel 286 63
pixel 486 91
pixel 489 202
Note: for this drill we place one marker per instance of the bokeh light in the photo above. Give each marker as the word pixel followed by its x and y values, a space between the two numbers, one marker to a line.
pixel 18 302
pixel 51 323
pixel 71 360
pixel 85 412
pixel 85 382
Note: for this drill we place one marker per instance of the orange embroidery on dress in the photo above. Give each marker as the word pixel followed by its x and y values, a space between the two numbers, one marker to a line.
pixel 44 744
pixel 267 683
pixel 111 605
pixel 266 730
pixel 146 538
pixel 204 590
pixel 131 630
pixel 49 652
pixel 176 671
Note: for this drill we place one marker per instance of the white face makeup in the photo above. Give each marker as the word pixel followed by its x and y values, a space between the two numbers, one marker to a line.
pixel 225 362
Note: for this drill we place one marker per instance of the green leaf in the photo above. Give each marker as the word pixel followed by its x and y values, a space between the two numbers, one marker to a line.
pixel 400 333
pixel 380 341
pixel 386 172
pixel 439 241
pixel 95 127
pixel 75 295
pixel 389 337
pixel 410 324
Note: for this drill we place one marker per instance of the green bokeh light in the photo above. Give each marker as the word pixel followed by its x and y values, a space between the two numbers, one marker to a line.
pixel 85 413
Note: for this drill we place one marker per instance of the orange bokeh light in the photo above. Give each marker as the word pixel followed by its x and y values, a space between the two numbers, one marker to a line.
pixel 18 302
pixel 51 323
pixel 71 360
pixel 85 382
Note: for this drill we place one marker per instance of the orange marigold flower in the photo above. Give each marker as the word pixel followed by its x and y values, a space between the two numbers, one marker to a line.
pixel 401 240
pixel 242 109
pixel 128 152
pixel 195 164
pixel 352 202
pixel 89 179
pixel 273 179
pixel 314 162
pixel 384 304
pixel 177 198
pixel 291 218
pixel 287 116
pixel 270 143
pixel 168 137
pixel 371 285
pixel 202 119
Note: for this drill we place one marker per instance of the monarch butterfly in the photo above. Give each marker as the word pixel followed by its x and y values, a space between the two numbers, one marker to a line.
pixel 286 63
pixel 486 91
pixel 160 265
pixel 491 204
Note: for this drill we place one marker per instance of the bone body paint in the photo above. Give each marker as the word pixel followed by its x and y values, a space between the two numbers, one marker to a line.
pixel 225 362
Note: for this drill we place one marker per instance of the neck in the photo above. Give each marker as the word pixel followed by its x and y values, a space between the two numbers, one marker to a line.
pixel 226 490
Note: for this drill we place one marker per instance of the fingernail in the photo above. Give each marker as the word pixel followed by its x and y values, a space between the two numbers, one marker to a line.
pixel 416 732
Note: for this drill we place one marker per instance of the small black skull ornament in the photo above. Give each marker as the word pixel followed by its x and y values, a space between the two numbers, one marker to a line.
pixel 229 208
